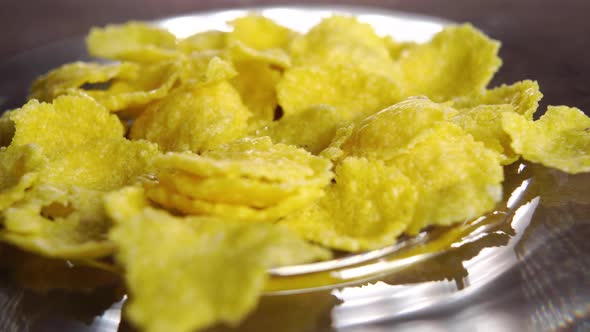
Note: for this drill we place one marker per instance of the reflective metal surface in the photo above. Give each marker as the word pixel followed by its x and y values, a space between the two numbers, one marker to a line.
pixel 525 267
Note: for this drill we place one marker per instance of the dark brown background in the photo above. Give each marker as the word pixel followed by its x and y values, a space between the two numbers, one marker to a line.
pixel 546 40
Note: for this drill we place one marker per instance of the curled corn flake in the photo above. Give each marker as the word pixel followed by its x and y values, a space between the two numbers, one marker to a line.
pixel 194 118
pixel 19 166
pixel 311 129
pixel 290 163
pixel 484 123
pixel 273 179
pixel 353 92
pixel 524 96
pixel 396 129
pixel 68 122
pixel 175 201
pixel 105 164
pixel 62 223
pixel 237 191
pixel 217 267
pixel 368 207
pixel 459 61
pixel 203 41
pixel 133 41
pixel 73 75
pixel 153 84
pixel 559 139
pixel 256 82
pixel 474 188
pixel 342 40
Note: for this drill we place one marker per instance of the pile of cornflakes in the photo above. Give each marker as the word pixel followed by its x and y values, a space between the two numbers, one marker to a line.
pixel 200 163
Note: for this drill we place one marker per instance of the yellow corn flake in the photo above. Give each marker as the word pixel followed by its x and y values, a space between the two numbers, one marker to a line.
pixel 260 33
pixel 524 96
pixel 368 207
pixel 66 123
pixel 311 129
pixel 473 189
pixel 19 166
pixel 237 165
pixel 133 41
pixel 203 41
pixel 257 38
pixel 342 40
pixel 73 75
pixel 61 223
pixel 194 118
pixel 353 92
pixel 396 129
pixel 459 61
pixel 204 68
pixel 256 81
pixel 237 191
pixel 175 201
pixel 269 161
pixel 218 268
pixel 154 83
pixel 484 123
pixel 274 179
pixel 104 164
pixel 559 139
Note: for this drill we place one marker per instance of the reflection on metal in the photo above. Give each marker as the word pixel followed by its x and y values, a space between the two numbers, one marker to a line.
pixel 381 301
pixel 517 194
pixel 109 321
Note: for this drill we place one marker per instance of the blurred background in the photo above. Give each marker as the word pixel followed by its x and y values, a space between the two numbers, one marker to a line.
pixel 544 40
